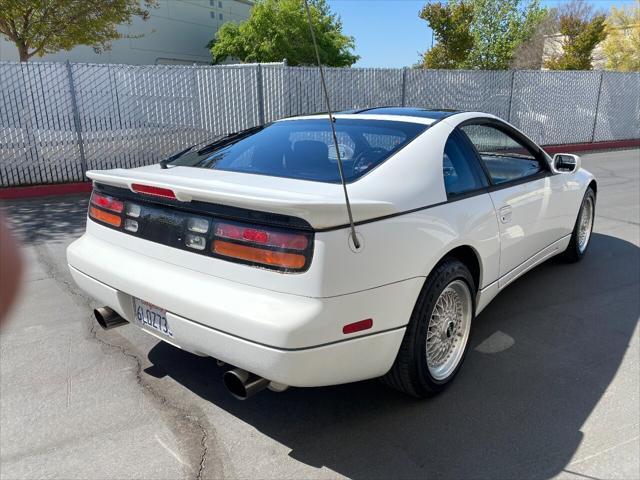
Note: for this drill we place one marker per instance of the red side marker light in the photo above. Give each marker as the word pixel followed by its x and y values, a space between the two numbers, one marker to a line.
pixel 358 326
pixel 150 190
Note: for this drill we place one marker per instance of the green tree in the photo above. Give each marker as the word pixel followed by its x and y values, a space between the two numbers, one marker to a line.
pixel 498 28
pixel 482 34
pixel 38 27
pixel 279 29
pixel 580 31
pixel 622 45
pixel 451 25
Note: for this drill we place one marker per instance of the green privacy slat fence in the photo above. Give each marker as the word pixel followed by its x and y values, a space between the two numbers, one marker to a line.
pixel 58 120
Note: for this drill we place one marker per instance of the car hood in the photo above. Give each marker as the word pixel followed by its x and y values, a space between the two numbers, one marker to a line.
pixel 322 205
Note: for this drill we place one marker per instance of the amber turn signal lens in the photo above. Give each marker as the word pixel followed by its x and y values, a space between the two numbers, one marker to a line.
pixel 105 217
pixel 259 255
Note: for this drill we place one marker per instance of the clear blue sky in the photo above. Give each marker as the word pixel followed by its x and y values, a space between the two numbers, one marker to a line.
pixel 389 33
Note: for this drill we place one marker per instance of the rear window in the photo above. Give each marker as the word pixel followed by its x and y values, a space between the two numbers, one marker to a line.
pixel 304 149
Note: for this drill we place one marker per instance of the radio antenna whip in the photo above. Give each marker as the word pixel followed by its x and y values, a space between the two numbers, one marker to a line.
pixel 356 242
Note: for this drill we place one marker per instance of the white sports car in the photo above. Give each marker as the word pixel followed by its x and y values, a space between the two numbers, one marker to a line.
pixel 241 249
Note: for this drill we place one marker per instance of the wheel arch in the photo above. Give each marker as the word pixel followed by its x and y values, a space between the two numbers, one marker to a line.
pixel 470 258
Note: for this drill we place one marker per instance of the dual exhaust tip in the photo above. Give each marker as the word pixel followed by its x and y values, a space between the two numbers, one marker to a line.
pixel 107 318
pixel 240 383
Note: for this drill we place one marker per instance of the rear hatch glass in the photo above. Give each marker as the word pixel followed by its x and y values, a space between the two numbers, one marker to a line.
pixel 304 149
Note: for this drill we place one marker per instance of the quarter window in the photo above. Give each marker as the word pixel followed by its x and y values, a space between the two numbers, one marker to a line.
pixel 460 175
pixel 505 158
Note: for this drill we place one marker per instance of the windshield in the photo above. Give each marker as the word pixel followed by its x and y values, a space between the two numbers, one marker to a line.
pixel 304 149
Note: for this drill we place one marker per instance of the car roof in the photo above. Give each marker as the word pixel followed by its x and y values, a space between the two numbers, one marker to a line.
pixel 432 114
pixel 424 116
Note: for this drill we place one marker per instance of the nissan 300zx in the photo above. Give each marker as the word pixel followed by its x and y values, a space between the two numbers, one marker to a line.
pixel 241 248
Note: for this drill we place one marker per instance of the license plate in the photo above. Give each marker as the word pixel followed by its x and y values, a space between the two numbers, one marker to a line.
pixel 150 316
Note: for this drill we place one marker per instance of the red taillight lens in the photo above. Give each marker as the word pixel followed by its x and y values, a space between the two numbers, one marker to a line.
pixel 262 236
pixel 108 203
pixel 150 190
pixel 105 217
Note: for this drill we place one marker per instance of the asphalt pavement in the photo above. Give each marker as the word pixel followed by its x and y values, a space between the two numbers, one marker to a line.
pixel 550 388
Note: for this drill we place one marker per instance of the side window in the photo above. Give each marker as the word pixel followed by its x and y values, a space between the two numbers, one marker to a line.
pixel 505 158
pixel 460 174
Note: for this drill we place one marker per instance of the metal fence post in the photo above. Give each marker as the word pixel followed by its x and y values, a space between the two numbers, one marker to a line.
pixel 76 118
pixel 260 89
pixel 595 117
pixel 513 77
pixel 197 102
pixel 404 86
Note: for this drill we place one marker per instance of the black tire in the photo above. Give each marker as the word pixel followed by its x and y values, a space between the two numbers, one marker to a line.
pixel 409 373
pixel 573 253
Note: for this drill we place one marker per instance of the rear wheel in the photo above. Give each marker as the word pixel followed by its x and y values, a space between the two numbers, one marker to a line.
pixel 581 235
pixel 437 337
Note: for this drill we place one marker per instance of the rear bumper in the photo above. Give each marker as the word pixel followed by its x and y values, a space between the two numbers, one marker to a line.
pixel 289 339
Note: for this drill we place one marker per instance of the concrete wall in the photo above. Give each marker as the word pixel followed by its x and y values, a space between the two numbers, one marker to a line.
pixel 176 32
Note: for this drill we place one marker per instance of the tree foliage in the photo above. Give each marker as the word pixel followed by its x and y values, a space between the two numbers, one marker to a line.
pixel 498 28
pixel 451 25
pixel 38 27
pixel 279 29
pixel 481 34
pixel 581 30
pixel 622 45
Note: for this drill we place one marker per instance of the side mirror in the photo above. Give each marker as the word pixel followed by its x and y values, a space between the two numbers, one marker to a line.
pixel 566 163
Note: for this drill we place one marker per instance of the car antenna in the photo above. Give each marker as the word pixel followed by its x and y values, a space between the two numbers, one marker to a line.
pixel 356 242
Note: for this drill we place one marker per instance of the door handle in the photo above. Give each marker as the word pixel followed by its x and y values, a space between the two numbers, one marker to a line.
pixel 505 214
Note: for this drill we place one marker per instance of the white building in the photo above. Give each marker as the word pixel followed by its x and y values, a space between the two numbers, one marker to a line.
pixel 176 32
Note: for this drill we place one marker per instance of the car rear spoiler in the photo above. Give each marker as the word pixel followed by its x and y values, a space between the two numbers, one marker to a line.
pixel 321 210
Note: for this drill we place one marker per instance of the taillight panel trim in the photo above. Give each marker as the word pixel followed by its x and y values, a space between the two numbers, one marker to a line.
pixel 169 225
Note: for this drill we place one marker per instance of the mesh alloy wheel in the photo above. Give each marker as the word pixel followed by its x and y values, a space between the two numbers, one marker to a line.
pixel 585 223
pixel 448 330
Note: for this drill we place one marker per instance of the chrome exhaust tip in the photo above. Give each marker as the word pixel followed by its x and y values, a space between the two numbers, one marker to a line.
pixel 242 384
pixel 107 318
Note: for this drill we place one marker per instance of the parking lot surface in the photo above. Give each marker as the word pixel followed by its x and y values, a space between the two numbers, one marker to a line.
pixel 550 387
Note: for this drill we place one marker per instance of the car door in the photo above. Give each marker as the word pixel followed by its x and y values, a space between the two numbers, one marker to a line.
pixel 521 193
pixel 469 204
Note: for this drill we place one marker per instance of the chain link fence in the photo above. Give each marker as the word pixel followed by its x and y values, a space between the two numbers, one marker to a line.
pixel 58 120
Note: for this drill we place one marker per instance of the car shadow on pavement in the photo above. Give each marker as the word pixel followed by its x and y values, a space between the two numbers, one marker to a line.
pixel 541 357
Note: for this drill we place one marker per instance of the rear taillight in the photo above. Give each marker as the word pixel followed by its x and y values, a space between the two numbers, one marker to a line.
pixel 261 236
pixel 108 203
pixel 106 209
pixel 104 217
pixel 273 248
pixel 289 261
pixel 277 248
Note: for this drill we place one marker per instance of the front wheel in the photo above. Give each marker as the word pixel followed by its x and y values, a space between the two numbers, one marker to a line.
pixel 581 235
pixel 437 337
